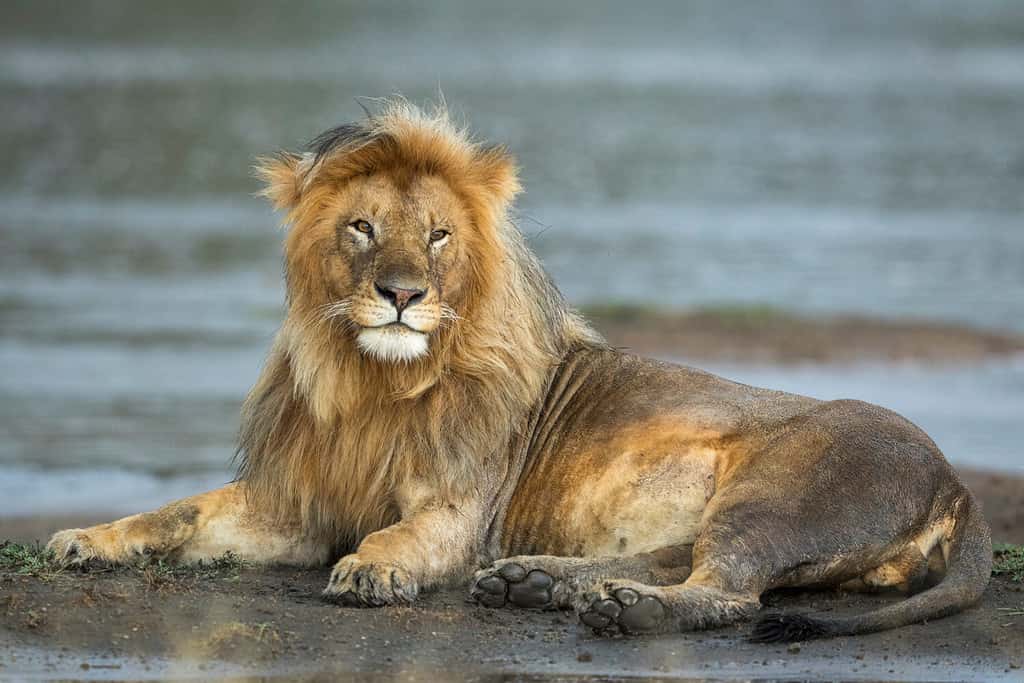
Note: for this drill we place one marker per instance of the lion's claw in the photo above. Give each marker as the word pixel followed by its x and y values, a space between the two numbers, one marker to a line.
pixel 82 547
pixel 355 583
pixel 71 547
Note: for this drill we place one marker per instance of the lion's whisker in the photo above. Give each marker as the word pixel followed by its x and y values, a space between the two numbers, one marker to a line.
pixel 335 309
pixel 448 313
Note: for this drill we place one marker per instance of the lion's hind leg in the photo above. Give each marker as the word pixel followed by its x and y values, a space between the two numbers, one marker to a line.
pixel 909 571
pixel 712 594
pixel 552 582
pixel 628 607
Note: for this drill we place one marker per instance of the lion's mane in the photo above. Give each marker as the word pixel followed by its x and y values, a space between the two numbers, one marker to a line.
pixel 326 431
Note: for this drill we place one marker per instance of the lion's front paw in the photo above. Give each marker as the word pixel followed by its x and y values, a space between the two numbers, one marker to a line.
pixel 79 546
pixel 355 583
pixel 71 546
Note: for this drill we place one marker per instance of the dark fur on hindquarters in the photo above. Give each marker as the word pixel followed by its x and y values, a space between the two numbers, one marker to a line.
pixel 788 628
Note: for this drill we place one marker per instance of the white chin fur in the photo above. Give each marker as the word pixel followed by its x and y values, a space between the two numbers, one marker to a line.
pixel 392 344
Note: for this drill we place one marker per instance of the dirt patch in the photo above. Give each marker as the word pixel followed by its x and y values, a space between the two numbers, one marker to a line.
pixel 759 334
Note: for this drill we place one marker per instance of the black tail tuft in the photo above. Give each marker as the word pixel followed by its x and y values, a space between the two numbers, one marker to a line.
pixel 787 628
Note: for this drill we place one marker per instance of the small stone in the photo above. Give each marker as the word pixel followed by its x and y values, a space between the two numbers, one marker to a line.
pixel 793 648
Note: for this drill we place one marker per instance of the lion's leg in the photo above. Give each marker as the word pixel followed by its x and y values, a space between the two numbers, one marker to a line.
pixel 631 607
pixel 718 591
pixel 816 508
pixel 748 547
pixel 551 582
pixel 201 527
pixel 907 572
pixel 434 544
pixel 750 543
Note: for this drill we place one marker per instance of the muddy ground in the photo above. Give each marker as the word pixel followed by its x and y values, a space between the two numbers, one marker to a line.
pixel 235 620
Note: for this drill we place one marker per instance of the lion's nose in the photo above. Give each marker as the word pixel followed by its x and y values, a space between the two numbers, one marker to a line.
pixel 400 297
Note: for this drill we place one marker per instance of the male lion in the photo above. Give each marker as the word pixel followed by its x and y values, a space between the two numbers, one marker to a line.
pixel 431 404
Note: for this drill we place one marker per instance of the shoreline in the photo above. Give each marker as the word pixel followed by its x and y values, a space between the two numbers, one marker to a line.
pixel 759 334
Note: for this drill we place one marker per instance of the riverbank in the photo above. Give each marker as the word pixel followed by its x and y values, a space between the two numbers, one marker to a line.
pixel 766 335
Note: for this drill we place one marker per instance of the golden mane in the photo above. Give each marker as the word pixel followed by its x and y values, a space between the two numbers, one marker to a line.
pixel 328 431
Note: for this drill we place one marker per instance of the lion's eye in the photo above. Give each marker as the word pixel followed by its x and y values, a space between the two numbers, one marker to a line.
pixel 438 235
pixel 361 226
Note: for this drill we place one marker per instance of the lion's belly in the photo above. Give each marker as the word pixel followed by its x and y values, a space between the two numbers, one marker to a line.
pixel 638 501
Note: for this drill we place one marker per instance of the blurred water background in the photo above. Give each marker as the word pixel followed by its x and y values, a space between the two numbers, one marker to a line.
pixel 821 157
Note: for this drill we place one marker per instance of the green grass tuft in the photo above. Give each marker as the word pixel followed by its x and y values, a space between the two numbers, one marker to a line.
pixel 1009 561
pixel 34 560
pixel 228 567
pixel 27 560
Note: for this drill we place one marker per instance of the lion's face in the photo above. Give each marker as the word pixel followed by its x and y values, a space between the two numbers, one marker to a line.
pixel 395 273
pixel 395 234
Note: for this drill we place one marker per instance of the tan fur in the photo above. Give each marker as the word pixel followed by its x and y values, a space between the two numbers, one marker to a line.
pixel 479 417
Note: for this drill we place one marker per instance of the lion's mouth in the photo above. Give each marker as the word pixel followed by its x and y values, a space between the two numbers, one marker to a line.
pixel 396 325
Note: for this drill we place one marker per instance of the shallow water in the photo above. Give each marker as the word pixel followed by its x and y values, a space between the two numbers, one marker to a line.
pixel 827 158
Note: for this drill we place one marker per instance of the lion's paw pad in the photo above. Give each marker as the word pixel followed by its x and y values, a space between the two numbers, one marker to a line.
pixel 627 611
pixel 515 585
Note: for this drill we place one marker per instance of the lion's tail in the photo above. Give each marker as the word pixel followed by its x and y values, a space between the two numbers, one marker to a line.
pixel 969 568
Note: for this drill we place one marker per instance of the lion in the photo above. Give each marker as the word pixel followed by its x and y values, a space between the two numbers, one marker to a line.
pixel 432 410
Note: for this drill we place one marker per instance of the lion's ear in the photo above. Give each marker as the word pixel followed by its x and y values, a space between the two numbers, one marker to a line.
pixel 499 176
pixel 283 176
